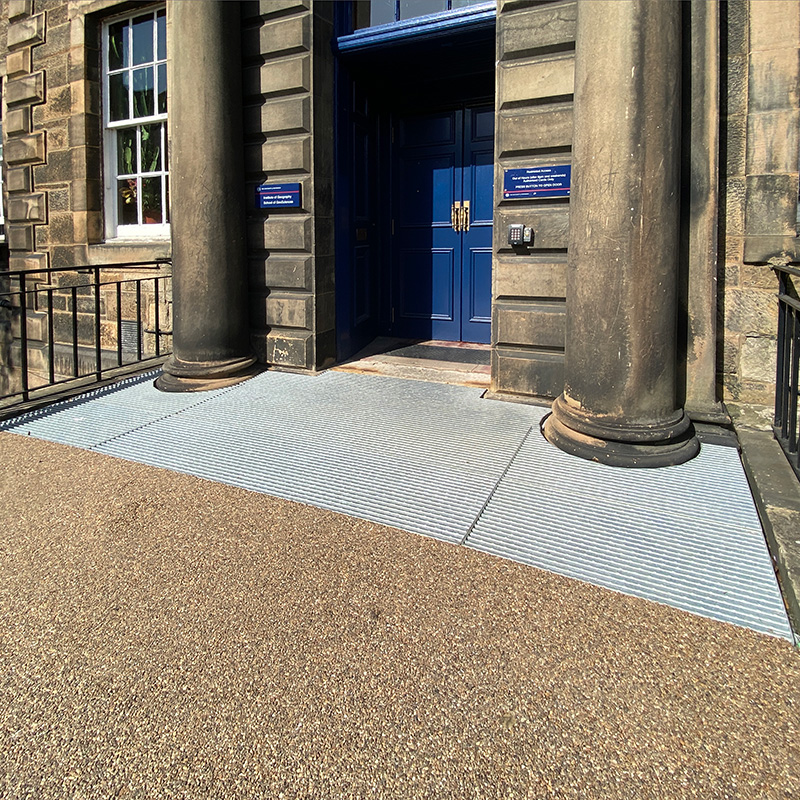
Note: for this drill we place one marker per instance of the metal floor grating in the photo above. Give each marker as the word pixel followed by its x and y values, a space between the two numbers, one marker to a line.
pixel 439 460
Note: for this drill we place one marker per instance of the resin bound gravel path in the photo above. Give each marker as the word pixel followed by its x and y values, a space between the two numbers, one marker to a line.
pixel 162 636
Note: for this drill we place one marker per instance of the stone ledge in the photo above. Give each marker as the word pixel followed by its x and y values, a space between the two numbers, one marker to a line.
pixel 776 491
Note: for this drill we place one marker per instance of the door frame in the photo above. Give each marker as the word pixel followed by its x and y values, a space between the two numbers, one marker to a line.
pixel 363 57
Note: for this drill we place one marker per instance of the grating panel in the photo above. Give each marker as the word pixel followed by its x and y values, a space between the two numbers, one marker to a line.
pixel 439 460
pixel 688 536
pixel 402 453
pixel 104 413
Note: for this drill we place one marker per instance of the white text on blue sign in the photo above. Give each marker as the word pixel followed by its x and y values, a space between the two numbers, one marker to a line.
pixel 530 182
pixel 278 195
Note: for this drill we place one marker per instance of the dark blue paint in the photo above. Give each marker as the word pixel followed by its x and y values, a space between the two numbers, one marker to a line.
pixel 532 182
pixel 358 234
pixel 278 195
pixel 442 278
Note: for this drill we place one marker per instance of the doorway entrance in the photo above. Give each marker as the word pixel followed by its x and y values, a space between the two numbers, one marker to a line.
pixel 442 207
pixel 413 194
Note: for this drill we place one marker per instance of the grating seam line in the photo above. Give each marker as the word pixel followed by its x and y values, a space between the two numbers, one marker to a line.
pixel 500 479
pixel 167 416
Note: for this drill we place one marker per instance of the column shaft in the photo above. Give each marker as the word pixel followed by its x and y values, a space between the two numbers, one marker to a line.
pixel 619 402
pixel 211 340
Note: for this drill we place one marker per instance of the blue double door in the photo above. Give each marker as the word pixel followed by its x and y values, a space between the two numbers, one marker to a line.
pixel 442 207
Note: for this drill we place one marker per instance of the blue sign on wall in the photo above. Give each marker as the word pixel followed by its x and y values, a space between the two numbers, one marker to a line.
pixel 278 195
pixel 521 184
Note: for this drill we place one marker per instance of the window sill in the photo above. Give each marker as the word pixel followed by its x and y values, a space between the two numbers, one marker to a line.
pixel 119 251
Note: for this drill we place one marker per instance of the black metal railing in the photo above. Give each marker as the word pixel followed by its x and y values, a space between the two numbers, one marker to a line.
pixel 67 324
pixel 787 384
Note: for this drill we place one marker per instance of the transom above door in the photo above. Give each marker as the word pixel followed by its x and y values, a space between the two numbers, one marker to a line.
pixel 443 174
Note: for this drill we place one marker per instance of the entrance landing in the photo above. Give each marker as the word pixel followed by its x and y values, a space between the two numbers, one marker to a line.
pixel 440 461
pixel 458 363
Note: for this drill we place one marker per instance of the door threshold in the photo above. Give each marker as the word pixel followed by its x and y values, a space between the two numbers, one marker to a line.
pixel 457 363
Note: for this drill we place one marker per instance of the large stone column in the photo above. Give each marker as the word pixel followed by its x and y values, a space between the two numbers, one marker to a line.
pixel 211 339
pixel 619 402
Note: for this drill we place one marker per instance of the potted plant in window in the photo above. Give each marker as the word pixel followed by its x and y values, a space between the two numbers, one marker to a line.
pixel 150 187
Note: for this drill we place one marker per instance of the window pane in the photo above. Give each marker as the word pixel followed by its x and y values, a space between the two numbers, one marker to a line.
pixel 464 3
pixel 118 96
pixel 126 202
pixel 143 91
pixel 382 11
pixel 166 149
pixel 126 151
pixel 418 8
pixel 151 201
pixel 118 45
pixel 151 148
pixel 162 89
pixel 162 34
pixel 166 204
pixel 143 39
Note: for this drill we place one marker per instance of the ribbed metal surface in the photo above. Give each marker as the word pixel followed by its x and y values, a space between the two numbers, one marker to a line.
pixel 102 414
pixel 441 461
pixel 687 536
pixel 420 457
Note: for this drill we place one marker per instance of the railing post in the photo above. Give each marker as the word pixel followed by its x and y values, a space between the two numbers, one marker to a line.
pixel 75 369
pixel 156 319
pixel 98 355
pixel 794 384
pixel 780 377
pixel 23 334
pixel 787 373
pixel 119 323
pixel 51 353
pixel 139 320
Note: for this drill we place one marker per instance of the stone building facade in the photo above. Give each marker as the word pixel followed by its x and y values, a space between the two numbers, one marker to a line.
pixel 329 103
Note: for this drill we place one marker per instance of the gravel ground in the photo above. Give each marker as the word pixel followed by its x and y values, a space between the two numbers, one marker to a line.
pixel 162 636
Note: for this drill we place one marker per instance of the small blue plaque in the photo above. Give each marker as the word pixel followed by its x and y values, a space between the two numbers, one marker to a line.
pixel 522 184
pixel 278 195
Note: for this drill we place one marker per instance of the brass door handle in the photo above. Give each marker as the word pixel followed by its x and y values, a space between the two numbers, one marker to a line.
pixel 465 216
pixel 455 216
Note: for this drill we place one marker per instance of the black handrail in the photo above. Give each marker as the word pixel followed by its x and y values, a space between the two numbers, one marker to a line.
pixel 26 294
pixel 787 378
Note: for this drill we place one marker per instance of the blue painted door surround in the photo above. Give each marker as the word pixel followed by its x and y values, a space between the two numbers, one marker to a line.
pixel 441 272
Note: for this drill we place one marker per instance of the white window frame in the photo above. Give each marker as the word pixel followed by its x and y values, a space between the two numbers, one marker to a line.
pixel 141 230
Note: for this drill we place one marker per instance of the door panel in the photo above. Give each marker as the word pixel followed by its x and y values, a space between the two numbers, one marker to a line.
pixel 427 251
pixel 478 297
pixel 358 233
pixel 442 276
pixel 478 184
pixel 430 296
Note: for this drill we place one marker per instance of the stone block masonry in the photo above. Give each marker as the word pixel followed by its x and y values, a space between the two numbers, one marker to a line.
pixel 759 219
pixel 288 86
pixel 535 75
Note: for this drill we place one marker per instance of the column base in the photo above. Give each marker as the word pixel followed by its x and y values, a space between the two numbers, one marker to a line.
pixel 635 446
pixel 180 376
